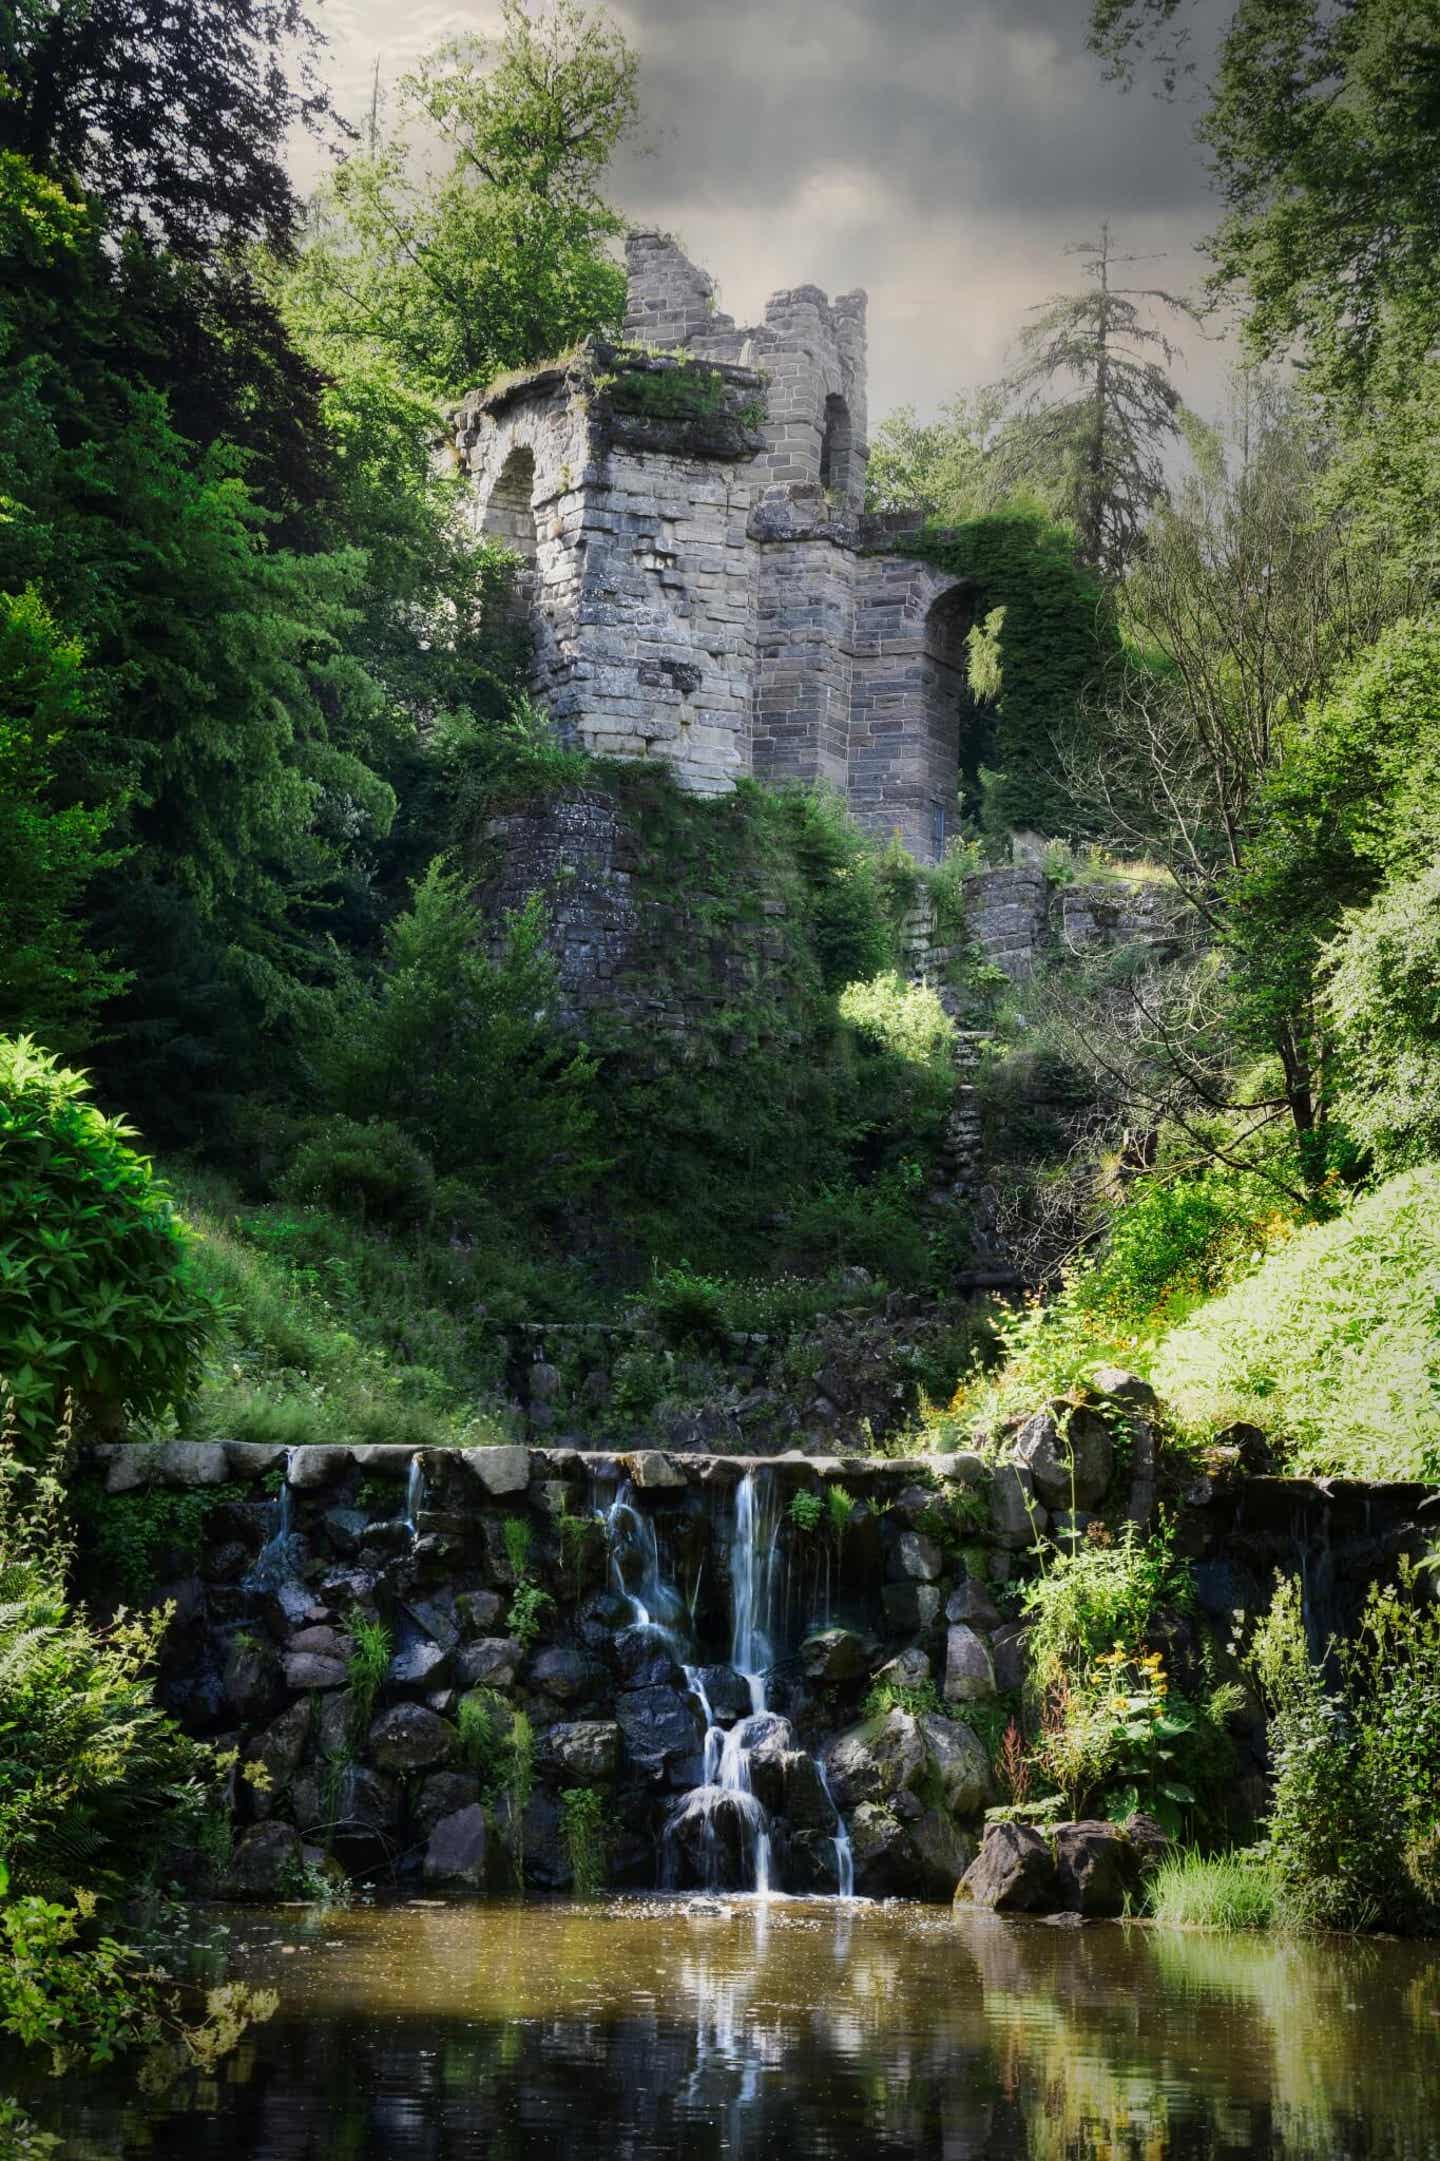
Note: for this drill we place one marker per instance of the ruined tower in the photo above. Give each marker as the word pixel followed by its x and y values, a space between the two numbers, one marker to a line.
pixel 702 582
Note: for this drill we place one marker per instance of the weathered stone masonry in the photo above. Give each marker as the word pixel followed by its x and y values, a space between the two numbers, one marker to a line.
pixel 704 587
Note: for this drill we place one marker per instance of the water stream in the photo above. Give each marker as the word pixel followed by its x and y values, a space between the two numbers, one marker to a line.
pixel 722 1813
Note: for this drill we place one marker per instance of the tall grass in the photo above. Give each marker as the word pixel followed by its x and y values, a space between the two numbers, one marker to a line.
pixel 1225 1891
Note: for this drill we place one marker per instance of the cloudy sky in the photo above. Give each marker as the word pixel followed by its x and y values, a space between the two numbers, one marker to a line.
pixel 938 152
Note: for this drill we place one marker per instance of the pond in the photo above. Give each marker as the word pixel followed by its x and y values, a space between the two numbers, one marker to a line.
pixel 792 2028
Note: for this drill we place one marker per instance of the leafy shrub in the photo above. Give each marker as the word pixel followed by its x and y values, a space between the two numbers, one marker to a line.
pixel 1382 1000
pixel 368 1664
pixel 906 1019
pixel 687 1306
pixel 1089 1600
pixel 840 1507
pixel 372 1171
pixel 98 1296
pixel 1354 1820
pixel 805 1512
pixel 527 1610
pixel 920 1701
pixel 1181 1239
pixel 1332 1345
pixel 97 1785
pixel 131 1534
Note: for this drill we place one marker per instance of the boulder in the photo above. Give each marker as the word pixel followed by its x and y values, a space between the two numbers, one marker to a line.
pixel 306 1468
pixel 441 1794
pixel 132 1464
pixel 281 1746
pixel 332 1715
pixel 418 1664
pixel 915 1558
pixel 1007 1654
pixel 499 1471
pixel 476 1612
pixel 455 1854
pixel 767 1739
pixel 1014 1871
pixel 969 1673
pixel 710 1841
pixel 958 1757
pixel 1068 1451
pixel 312 1669
pixel 319 1638
pixel 657 1723
pixel 1149 1841
pixel 651 1470
pixel 407 1737
pixel 804 1802
pixel 1123 1387
pixel 600 1617
pixel 942 1852
pixel 252 1459
pixel 345 1529
pixel 264 1863
pixel 364 1803
pixel 587 1749
pixel 908 1669
pixel 727 1693
pixel 1095 1868
pixel 873 1761
pixel 833 1654
pixel 493 1662
pixel 643 1659
pixel 1015 1515
pixel 193 1463
pixel 971 1602
pixel 565 1673
pixel 911 1605
pixel 252 1680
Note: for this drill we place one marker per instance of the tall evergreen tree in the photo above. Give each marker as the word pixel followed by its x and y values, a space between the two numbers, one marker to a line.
pixel 1095 407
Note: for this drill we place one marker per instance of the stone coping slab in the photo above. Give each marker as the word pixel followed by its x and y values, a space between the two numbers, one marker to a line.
pixel 506 1469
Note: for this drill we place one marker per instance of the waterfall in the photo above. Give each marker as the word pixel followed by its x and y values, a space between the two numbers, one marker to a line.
pixel 272 1562
pixel 722 1817
pixel 414 1494
pixel 844 1851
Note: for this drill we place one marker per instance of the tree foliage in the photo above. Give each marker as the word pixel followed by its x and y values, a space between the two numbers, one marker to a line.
pixel 495 256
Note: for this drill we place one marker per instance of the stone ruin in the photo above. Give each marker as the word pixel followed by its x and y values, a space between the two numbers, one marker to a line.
pixel 701 580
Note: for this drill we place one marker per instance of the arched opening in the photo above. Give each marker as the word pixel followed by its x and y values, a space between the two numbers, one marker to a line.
pixel 510 512
pixel 835 447
pixel 959 722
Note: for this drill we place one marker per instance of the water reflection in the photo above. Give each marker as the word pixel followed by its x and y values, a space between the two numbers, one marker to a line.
pixel 427 2033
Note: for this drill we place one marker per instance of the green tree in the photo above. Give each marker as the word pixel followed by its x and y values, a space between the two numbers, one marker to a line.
pixel 1321 127
pixel 461 1050
pixel 494 257
pixel 50 975
pixel 1094 408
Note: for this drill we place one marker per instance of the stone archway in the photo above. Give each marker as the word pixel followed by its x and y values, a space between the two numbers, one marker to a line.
pixel 510 512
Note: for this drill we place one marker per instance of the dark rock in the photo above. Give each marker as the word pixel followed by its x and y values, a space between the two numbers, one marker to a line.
pixel 656 1723
pixel 252 1680
pixel 942 1852
pixel 599 1617
pixel 911 1605
pixel 407 1737
pixel 281 1746
pixel 1123 1387
pixel 476 1612
pixel 264 1863
pixel 957 1757
pixel 1149 1841
pixel 311 1669
pixel 643 1659
pixel 455 1857
pixel 1016 1517
pixel 566 1674
pixel 290 1603
pixel 322 1641
pixel 226 1563
pixel 345 1530
pixel 971 1602
pixel 1095 1868
pixel 364 1802
pixel 834 1654
pixel 969 1672
pixel 333 1714
pixel 547 1857
pixel 915 1558
pixel 872 1762
pixel 395 1535
pixel 441 1794
pixel 710 1842
pixel 804 1803
pixel 909 1669
pixel 493 1662
pixel 1014 1871
pixel 419 1664
pixel 1068 1451
pixel 1007 1655
pixel 587 1749
pixel 727 1693
pixel 767 1739
pixel 882 1851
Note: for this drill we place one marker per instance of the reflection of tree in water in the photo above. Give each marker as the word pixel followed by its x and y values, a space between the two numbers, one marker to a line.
pixel 442 2035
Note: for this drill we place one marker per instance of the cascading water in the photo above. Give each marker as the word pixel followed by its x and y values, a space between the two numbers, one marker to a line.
pixel 414 1495
pixel 722 1819
pixel 272 1562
